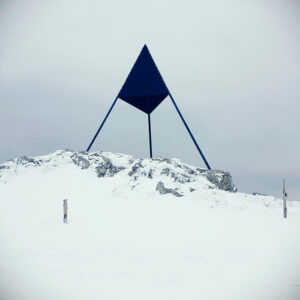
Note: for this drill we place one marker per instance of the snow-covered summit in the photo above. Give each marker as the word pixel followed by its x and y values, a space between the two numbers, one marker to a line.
pixel 65 172
pixel 164 175
pixel 140 229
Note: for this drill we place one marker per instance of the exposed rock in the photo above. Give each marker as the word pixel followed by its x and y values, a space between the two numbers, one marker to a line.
pixel 213 178
pixel 220 179
pixel 258 194
pixel 150 173
pixel 95 154
pixel 137 166
pixel 163 190
pixel 167 160
pixel 165 171
pixel 108 164
pixel 226 183
pixel 200 170
pixel 181 178
pixel 178 177
pixel 189 170
pixel 26 161
pixel 101 170
pixel 80 161
pixel 107 168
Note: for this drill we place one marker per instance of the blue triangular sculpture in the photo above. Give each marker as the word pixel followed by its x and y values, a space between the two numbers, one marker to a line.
pixel 144 87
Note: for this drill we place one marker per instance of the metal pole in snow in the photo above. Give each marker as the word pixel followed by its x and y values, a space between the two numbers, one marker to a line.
pixel 284 196
pixel 150 140
pixel 65 205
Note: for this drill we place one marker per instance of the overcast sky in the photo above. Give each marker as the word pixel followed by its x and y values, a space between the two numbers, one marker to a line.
pixel 233 68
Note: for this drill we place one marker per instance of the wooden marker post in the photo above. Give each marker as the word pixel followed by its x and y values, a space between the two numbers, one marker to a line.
pixel 284 196
pixel 65 211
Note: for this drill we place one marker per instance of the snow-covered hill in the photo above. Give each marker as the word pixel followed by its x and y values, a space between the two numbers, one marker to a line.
pixel 140 229
pixel 181 178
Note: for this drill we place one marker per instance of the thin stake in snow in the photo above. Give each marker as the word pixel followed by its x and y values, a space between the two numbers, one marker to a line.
pixel 284 196
pixel 65 211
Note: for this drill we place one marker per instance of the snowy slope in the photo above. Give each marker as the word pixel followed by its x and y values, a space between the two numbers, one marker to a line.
pixel 140 229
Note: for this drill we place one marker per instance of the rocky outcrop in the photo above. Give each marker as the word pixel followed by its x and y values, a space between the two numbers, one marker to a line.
pixel 106 168
pixel 220 179
pixel 135 168
pixel 163 190
pixel 80 161
pixel 180 178
pixel 258 194
pixel 27 161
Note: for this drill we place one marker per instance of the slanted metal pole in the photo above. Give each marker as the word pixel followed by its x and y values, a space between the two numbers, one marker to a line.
pixel 189 131
pixel 93 140
pixel 150 140
pixel 284 196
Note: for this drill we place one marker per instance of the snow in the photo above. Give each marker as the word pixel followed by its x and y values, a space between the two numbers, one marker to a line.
pixel 124 240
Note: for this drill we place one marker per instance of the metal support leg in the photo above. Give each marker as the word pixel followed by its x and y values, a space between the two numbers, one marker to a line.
pixel 189 131
pixel 150 140
pixel 94 138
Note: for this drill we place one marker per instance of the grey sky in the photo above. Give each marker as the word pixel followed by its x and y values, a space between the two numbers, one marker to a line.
pixel 232 66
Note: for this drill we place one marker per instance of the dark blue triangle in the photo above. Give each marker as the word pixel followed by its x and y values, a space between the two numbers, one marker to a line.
pixel 144 87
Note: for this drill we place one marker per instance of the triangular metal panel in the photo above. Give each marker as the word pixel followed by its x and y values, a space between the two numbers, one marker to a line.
pixel 144 87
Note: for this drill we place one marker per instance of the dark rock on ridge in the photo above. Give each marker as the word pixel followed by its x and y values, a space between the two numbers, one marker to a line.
pixel 163 190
